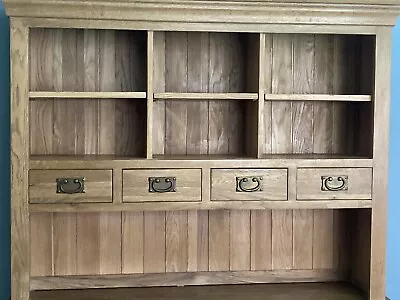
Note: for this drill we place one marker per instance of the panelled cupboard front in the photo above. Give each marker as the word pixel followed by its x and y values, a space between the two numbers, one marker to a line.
pixel 197 149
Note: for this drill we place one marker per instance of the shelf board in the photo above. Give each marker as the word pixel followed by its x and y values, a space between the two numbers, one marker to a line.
pixel 205 96
pixel 196 161
pixel 88 95
pixel 299 291
pixel 317 97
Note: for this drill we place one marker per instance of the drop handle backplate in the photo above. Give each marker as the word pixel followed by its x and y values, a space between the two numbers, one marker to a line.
pixel 162 184
pixel 334 183
pixel 249 184
pixel 71 185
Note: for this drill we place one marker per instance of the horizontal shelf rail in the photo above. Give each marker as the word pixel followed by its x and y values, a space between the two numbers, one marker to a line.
pixel 88 95
pixel 317 97
pixel 205 96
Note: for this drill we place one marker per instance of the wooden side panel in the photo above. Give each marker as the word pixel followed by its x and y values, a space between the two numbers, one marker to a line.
pixel 20 259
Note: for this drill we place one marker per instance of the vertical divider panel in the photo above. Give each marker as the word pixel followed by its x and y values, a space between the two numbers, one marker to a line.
pixel 262 69
pixel 150 90
pixel 380 163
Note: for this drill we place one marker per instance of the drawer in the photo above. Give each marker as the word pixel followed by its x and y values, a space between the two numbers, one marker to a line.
pixel 248 184
pixel 70 186
pixel 334 184
pixel 156 185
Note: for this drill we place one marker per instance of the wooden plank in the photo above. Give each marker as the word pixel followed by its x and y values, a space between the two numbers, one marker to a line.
pixel 87 243
pixel 159 86
pixel 154 242
pixel 281 120
pixel 19 64
pixel 197 112
pixel 150 90
pixel 265 84
pixel 303 239
pixel 380 154
pixel 303 76
pixel 318 97
pixel 176 241
pixel 239 230
pixel 197 240
pixel 219 240
pixel 106 128
pixel 110 246
pixel 261 243
pixel 64 243
pixel 176 52
pixel 323 239
pixel 184 279
pixel 212 205
pixel 282 239
pixel 88 95
pixel 41 248
pixel 203 95
pixel 132 242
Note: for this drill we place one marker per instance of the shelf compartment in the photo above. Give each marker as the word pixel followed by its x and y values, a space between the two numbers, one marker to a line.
pixel 83 60
pixel 187 127
pixel 206 62
pixel 303 291
pixel 317 97
pixel 205 96
pixel 88 126
pixel 87 95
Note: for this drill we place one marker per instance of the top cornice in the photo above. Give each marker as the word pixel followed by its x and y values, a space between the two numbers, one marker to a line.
pixel 328 12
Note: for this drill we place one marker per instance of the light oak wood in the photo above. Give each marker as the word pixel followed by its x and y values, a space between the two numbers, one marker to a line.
pixel 136 185
pixel 43 186
pixel 224 184
pixel 309 184
pixel 192 205
pixel 19 67
pixel 317 97
pixel 380 154
pixel 87 95
pixel 358 13
pixel 205 96
pixel 181 279
pixel 214 91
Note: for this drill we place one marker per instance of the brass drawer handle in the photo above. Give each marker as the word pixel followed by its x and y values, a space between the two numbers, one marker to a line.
pixel 246 184
pixel 334 183
pixel 74 185
pixel 162 184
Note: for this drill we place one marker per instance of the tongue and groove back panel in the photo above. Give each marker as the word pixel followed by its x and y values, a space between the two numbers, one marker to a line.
pixel 192 241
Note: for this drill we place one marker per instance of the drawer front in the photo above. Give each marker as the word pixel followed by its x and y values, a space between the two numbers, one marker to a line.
pixel 248 184
pixel 179 185
pixel 334 184
pixel 70 186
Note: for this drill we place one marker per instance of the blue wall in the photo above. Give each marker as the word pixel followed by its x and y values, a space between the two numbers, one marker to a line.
pixel 4 158
pixel 393 270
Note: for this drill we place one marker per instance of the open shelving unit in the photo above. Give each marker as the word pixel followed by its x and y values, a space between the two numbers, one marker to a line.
pixel 184 149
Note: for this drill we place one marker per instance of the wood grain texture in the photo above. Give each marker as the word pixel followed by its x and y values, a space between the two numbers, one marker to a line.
pixel 224 184
pixel 282 239
pixel 19 67
pixel 183 279
pixel 309 184
pixel 176 241
pixel 132 242
pixel 43 186
pixel 380 154
pixel 64 243
pixel 219 240
pixel 239 230
pixel 198 233
pixel 136 185
pixel 303 248
pixel 41 250
pixel 154 242
pixel 261 243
